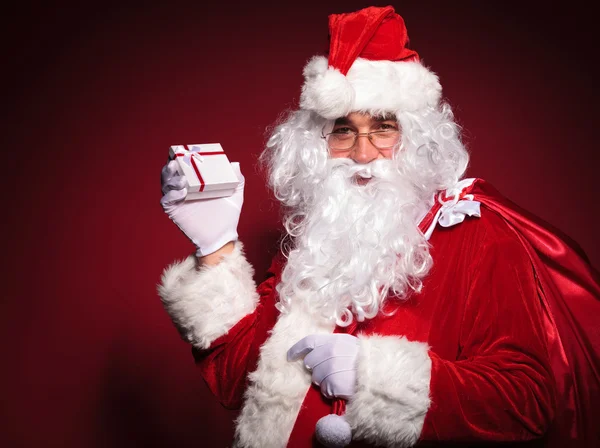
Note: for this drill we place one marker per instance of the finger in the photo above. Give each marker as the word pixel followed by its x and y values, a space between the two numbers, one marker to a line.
pixel 236 168
pixel 331 390
pixel 304 346
pixel 175 183
pixel 234 201
pixel 168 171
pixel 323 360
pixel 328 367
pixel 327 389
pixel 340 384
pixel 341 346
pixel 329 364
pixel 321 371
pixel 238 172
pixel 301 348
pixel 315 357
pixel 173 197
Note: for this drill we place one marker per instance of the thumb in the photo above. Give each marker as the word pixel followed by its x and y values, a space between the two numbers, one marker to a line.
pixel 305 345
pixel 238 171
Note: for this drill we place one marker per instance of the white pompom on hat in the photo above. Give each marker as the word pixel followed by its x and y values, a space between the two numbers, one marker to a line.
pixel 369 68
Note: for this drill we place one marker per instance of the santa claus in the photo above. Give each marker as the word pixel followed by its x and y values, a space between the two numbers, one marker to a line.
pixel 408 305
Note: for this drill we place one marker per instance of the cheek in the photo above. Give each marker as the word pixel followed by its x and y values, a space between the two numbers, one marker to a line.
pixel 339 154
pixel 386 153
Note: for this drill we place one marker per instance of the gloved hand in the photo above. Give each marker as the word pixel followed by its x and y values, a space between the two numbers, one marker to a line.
pixel 208 223
pixel 332 360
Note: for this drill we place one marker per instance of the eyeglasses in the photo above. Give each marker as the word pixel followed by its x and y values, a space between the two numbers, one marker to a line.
pixel 343 141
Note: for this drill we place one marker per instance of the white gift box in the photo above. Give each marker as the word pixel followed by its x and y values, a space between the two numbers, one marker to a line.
pixel 207 169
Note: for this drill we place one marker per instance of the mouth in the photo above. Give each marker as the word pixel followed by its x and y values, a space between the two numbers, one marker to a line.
pixel 360 180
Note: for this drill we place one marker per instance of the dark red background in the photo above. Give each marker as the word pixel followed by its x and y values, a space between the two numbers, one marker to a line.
pixel 95 95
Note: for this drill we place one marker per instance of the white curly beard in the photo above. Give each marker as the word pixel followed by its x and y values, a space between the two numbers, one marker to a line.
pixel 355 241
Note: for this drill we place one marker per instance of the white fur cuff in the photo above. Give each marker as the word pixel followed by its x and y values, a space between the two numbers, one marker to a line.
pixel 392 394
pixel 206 304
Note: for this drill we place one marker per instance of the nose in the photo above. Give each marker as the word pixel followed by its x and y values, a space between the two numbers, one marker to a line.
pixel 364 151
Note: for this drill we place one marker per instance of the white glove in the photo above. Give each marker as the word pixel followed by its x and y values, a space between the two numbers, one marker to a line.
pixel 208 223
pixel 332 359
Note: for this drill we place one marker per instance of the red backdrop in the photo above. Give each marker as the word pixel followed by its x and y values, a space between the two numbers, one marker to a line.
pixel 95 95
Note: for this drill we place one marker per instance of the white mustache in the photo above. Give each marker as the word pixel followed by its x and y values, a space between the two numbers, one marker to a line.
pixel 347 168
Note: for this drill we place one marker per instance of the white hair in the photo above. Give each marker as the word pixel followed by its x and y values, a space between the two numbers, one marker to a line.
pixel 351 246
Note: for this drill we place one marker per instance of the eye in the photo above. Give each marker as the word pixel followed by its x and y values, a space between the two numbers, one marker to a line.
pixel 388 126
pixel 342 130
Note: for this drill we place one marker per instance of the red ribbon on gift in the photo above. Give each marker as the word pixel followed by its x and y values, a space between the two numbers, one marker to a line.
pixel 193 161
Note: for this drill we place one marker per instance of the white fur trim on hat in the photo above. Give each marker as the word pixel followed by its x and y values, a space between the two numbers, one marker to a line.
pixel 371 86
pixel 205 304
pixel 392 393
pixel 277 387
pixel 326 90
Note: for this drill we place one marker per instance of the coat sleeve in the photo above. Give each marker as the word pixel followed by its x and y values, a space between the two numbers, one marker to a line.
pixel 223 315
pixel 500 386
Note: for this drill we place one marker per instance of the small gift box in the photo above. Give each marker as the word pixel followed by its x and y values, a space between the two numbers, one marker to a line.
pixel 207 169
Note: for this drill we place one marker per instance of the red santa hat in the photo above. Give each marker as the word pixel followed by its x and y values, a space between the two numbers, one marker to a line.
pixel 369 68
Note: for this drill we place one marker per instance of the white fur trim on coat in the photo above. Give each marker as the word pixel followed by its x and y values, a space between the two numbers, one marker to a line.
pixel 277 387
pixel 205 304
pixel 392 394
pixel 370 86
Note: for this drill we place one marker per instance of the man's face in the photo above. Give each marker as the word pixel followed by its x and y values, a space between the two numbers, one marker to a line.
pixel 386 137
pixel 354 221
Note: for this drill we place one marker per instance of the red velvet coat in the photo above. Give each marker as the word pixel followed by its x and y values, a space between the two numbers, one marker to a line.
pixel 501 370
